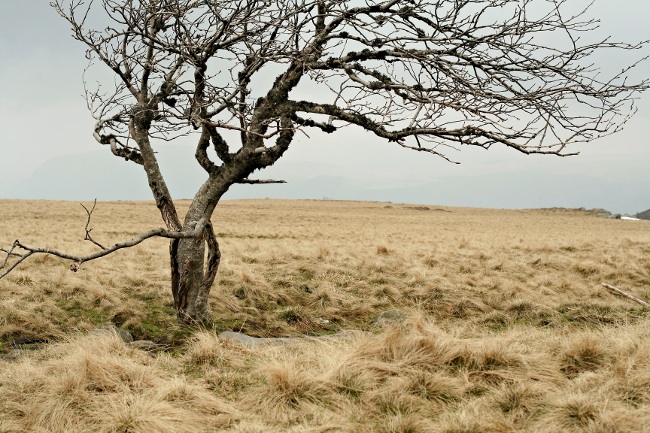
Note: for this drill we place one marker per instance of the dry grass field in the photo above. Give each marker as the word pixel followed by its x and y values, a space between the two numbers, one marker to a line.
pixel 507 330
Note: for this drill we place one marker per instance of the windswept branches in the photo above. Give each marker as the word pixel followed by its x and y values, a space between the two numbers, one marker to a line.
pixel 475 73
pixel 469 73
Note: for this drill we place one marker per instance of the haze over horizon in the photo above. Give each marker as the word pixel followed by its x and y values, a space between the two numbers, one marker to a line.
pixel 47 150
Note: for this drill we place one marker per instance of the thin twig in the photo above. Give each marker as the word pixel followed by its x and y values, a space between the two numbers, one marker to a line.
pixel 237 128
pixel 9 254
pixel 90 213
pixel 260 181
pixel 627 295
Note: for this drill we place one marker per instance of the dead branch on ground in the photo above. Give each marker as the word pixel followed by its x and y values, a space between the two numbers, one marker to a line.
pixel 627 295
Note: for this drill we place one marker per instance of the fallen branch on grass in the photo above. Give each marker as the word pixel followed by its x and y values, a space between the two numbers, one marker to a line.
pixel 627 295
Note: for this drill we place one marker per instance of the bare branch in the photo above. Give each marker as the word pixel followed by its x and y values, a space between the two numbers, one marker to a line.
pixel 201 153
pixel 237 128
pixel 260 181
pixel 78 260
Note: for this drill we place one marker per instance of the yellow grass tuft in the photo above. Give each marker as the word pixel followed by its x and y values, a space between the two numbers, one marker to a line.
pixel 96 384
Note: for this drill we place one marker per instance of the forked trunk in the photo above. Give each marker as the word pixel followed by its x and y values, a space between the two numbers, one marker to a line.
pixel 193 275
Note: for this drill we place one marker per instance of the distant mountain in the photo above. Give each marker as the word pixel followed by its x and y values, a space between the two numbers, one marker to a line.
pixel 645 215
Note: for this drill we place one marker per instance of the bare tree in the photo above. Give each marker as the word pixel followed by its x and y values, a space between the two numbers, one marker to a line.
pixel 428 75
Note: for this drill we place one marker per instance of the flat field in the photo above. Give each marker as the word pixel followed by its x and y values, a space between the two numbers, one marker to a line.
pixel 460 321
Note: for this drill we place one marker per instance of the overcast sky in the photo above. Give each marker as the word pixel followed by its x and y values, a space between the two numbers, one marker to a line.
pixel 47 150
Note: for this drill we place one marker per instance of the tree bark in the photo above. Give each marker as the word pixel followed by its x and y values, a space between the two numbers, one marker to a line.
pixel 195 261
pixel 193 276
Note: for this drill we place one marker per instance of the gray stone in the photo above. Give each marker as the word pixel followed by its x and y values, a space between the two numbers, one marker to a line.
pixel 251 342
pixel 389 317
pixel 144 345
pixel 122 333
pixel 248 341
pixel 12 355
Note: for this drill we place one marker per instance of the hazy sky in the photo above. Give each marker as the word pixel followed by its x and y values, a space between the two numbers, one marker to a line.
pixel 47 149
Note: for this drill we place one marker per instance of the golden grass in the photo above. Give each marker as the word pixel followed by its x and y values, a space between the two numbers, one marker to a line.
pixel 508 327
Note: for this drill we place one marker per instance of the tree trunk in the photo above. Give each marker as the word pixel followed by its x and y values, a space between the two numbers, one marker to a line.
pixel 193 276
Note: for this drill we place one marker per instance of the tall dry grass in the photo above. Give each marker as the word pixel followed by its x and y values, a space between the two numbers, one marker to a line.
pixel 508 327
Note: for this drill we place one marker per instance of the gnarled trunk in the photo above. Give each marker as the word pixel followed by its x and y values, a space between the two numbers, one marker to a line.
pixel 193 275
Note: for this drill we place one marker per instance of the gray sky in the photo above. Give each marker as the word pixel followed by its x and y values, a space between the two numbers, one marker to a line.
pixel 47 150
